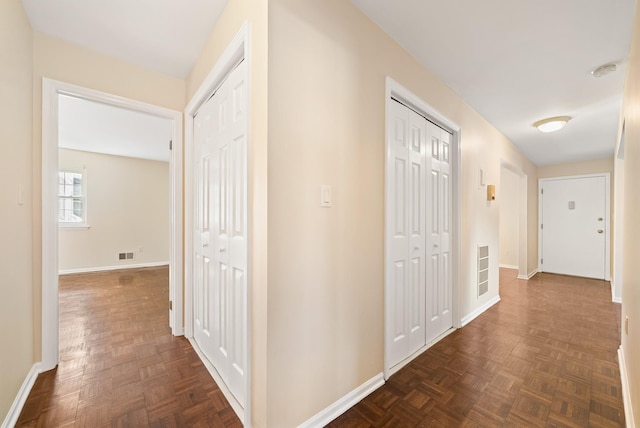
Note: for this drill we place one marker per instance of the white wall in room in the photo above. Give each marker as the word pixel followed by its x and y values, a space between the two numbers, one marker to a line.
pixel 127 208
pixel 508 197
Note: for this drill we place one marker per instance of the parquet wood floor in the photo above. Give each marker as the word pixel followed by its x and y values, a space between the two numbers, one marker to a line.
pixel 545 356
pixel 119 364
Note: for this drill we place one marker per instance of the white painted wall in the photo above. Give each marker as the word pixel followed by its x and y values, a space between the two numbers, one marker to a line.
pixel 127 208
pixel 508 198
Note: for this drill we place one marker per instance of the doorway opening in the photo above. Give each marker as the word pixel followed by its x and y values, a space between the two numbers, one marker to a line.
pixel 513 220
pixel 52 93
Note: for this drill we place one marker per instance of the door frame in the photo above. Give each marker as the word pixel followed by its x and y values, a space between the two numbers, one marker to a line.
pixel 618 218
pixel 399 92
pixel 522 218
pixel 51 90
pixel 237 51
pixel 607 223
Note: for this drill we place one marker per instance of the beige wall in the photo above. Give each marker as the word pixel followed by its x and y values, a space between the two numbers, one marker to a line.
pixel 58 60
pixel 16 316
pixel 577 168
pixel 128 207
pixel 631 239
pixel 327 69
pixel 508 198
pixel 236 13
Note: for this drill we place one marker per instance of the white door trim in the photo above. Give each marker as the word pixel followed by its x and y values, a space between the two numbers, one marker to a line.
pixel 607 223
pixel 51 89
pixel 236 51
pixel 399 92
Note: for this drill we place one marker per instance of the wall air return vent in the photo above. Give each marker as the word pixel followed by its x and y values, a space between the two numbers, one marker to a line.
pixel 125 256
pixel 483 269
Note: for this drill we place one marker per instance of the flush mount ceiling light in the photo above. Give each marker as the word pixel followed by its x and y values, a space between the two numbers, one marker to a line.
pixel 604 69
pixel 552 124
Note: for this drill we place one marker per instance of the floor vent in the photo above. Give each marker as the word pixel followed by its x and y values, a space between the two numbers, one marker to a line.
pixel 483 269
pixel 125 256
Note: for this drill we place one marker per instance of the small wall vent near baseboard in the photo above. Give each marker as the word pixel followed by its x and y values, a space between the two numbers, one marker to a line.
pixel 483 269
pixel 125 256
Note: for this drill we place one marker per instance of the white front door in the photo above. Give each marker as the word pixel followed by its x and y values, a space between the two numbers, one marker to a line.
pixel 573 226
pixel 419 262
pixel 220 292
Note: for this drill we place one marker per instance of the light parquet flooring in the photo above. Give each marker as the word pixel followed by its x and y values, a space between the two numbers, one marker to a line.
pixel 119 364
pixel 545 356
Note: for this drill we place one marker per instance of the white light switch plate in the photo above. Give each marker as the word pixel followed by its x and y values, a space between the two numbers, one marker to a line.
pixel 325 196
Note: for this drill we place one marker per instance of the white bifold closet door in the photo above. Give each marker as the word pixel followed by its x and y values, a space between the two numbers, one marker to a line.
pixel 220 289
pixel 418 233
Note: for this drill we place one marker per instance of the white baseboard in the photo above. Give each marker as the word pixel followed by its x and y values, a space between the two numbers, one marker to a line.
pixel 626 397
pixel 14 412
pixel 616 300
pixel 475 314
pixel 343 404
pixel 107 268
pixel 509 266
pixel 528 277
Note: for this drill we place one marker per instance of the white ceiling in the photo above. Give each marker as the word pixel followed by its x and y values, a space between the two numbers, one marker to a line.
pixel 514 62
pixel 518 62
pixel 101 128
pixel 163 35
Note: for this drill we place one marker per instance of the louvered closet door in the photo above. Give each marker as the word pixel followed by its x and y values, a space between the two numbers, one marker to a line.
pixel 406 235
pixel 220 298
pixel 439 285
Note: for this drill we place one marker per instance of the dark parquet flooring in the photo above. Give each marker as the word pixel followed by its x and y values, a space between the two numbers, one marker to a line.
pixel 545 356
pixel 119 364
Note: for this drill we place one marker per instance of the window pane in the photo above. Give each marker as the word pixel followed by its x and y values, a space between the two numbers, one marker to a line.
pixel 77 185
pixel 71 199
pixel 77 207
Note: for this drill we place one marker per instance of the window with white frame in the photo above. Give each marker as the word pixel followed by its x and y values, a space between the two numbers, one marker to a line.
pixel 72 201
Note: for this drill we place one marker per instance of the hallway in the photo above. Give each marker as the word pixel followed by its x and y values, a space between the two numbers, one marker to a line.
pixel 546 355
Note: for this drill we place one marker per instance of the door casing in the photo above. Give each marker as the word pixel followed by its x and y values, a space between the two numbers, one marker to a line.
pixel 399 92
pixel 51 89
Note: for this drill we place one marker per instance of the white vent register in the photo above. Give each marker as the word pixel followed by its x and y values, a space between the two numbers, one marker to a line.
pixel 483 269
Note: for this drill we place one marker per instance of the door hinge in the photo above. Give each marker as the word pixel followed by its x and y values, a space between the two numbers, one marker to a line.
pixel 542 191
pixel 170 305
pixel 541 261
pixel 170 144
pixel 541 226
